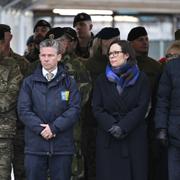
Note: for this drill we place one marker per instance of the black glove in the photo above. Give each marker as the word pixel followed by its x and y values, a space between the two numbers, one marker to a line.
pixel 162 136
pixel 116 131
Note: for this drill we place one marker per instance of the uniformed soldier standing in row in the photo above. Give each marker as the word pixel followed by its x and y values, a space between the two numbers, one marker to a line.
pixel 18 160
pixel 40 30
pixel 139 40
pixel 10 78
pixel 83 26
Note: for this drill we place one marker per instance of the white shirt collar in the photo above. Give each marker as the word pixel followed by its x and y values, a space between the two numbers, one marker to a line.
pixel 45 72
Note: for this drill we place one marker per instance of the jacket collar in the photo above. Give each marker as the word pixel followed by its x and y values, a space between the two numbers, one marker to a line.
pixel 38 76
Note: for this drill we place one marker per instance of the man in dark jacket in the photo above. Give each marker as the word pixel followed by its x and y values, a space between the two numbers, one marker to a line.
pixel 138 37
pixel 49 106
pixel 167 115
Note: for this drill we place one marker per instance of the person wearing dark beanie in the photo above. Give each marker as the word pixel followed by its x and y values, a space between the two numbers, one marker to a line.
pixel 138 37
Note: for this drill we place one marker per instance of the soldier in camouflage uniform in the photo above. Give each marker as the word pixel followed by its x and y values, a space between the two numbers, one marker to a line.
pixel 83 25
pixel 10 78
pixel 77 69
pixel 18 161
pixel 68 38
pixel 138 38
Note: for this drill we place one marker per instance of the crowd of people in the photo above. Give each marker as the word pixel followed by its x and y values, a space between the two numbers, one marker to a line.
pixel 81 106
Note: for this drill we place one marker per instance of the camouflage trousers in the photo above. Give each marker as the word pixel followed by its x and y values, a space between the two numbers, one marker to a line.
pixel 78 159
pixel 6 155
pixel 18 159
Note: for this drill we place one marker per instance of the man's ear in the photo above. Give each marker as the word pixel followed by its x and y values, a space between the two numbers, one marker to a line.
pixel 90 27
pixel 11 36
pixel 59 57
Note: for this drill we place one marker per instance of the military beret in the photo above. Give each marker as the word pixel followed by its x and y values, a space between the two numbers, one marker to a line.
pixel 81 17
pixel 71 33
pixel 30 40
pixel 177 34
pixel 54 33
pixel 107 33
pixel 42 23
pixel 136 33
pixel 4 28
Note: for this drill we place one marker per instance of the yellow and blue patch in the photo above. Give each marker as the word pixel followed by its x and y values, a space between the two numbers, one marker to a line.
pixel 64 95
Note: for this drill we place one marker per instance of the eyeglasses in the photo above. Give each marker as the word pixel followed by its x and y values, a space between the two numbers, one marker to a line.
pixel 172 56
pixel 114 53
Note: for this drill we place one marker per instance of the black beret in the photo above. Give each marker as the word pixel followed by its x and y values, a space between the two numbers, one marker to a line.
pixel 81 17
pixel 71 33
pixel 107 33
pixel 54 33
pixel 136 33
pixel 4 28
pixel 42 23
pixel 30 40
pixel 177 34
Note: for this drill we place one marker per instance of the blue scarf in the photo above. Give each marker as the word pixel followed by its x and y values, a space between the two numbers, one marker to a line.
pixel 123 76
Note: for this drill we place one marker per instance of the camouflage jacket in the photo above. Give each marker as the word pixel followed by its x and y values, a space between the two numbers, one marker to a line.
pixel 10 78
pixel 84 52
pixel 78 71
pixel 22 62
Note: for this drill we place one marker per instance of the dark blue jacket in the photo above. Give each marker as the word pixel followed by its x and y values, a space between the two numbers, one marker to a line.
pixel 43 102
pixel 168 101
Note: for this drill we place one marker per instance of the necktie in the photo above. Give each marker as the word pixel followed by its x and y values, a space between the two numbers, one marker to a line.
pixel 49 76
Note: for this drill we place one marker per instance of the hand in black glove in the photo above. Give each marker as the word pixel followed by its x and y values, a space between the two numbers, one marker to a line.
pixel 162 136
pixel 116 131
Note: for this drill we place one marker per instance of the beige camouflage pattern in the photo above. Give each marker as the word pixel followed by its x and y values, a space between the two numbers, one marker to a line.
pixel 22 62
pixel 10 78
pixel 78 71
pixel 18 161
pixel 5 159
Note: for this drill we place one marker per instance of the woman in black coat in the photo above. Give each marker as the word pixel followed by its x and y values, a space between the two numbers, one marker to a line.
pixel 120 102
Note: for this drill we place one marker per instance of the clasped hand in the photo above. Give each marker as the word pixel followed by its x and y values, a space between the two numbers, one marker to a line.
pixel 115 131
pixel 46 133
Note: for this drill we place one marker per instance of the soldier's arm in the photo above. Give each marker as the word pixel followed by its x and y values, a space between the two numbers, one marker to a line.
pixel 8 95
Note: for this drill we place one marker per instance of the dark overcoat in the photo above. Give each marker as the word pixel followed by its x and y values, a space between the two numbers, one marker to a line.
pixel 168 102
pixel 121 159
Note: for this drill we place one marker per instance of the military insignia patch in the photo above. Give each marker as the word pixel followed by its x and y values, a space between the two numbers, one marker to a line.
pixel 51 36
